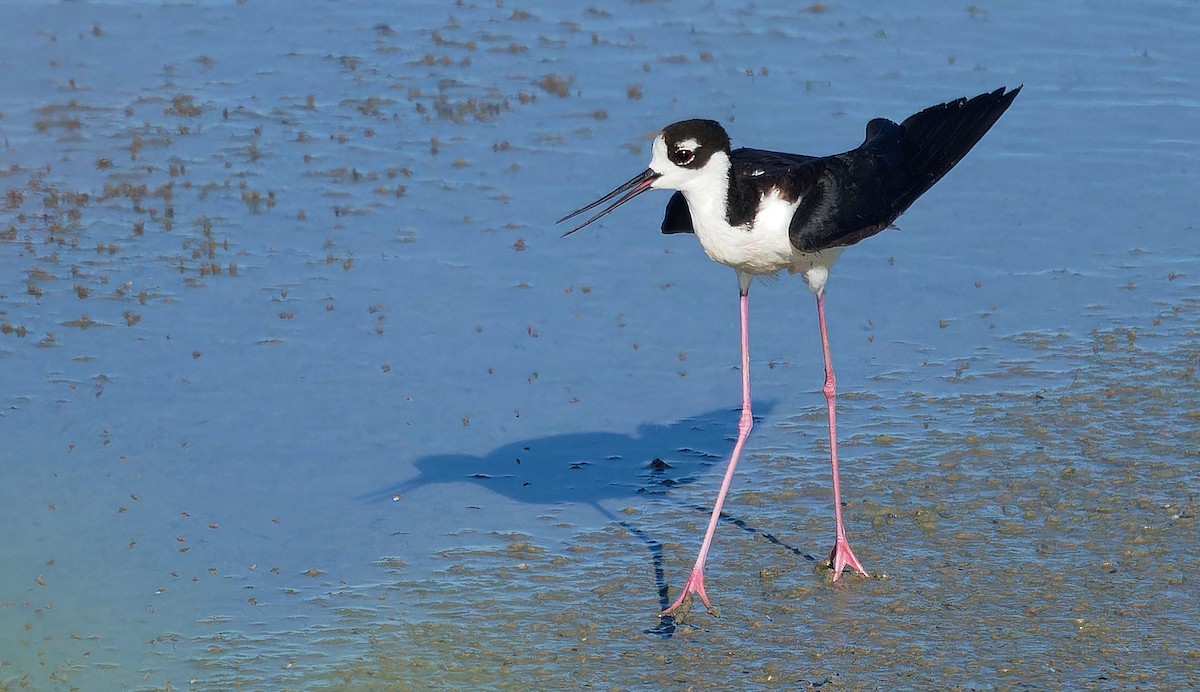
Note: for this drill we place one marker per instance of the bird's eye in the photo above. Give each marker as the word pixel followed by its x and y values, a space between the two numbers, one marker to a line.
pixel 682 157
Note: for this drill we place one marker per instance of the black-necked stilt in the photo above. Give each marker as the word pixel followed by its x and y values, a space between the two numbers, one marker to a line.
pixel 761 212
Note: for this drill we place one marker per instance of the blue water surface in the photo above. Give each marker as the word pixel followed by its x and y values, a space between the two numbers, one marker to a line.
pixel 302 388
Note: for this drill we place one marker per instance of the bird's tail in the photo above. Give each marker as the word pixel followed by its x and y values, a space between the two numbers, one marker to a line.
pixel 939 136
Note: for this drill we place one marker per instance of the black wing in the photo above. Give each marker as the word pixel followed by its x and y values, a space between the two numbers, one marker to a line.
pixel 859 193
pixel 848 197
pixel 677 219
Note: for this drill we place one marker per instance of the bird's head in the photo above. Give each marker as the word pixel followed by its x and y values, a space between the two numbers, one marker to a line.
pixel 686 156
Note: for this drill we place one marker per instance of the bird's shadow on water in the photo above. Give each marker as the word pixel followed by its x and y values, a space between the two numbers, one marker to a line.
pixel 592 467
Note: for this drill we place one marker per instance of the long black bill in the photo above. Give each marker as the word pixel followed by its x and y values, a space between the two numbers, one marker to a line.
pixel 640 183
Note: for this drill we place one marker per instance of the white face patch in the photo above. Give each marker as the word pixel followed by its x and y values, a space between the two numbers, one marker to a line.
pixel 688 143
pixel 659 162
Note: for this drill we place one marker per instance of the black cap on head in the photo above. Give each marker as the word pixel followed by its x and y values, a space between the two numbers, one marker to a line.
pixel 690 143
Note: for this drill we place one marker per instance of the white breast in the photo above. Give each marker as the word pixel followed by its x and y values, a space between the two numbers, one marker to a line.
pixel 762 247
pixel 759 247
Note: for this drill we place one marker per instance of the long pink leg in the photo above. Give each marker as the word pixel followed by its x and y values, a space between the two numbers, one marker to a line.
pixel 841 556
pixel 695 582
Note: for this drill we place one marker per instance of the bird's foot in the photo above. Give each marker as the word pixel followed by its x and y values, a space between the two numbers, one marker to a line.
pixel 694 585
pixel 842 557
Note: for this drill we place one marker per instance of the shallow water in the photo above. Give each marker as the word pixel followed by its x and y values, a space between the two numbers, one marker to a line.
pixel 302 389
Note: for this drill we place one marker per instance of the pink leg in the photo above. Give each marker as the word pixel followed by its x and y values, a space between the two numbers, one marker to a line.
pixel 841 556
pixel 695 582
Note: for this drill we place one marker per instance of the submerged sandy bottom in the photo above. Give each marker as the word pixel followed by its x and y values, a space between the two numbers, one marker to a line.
pixel 301 388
